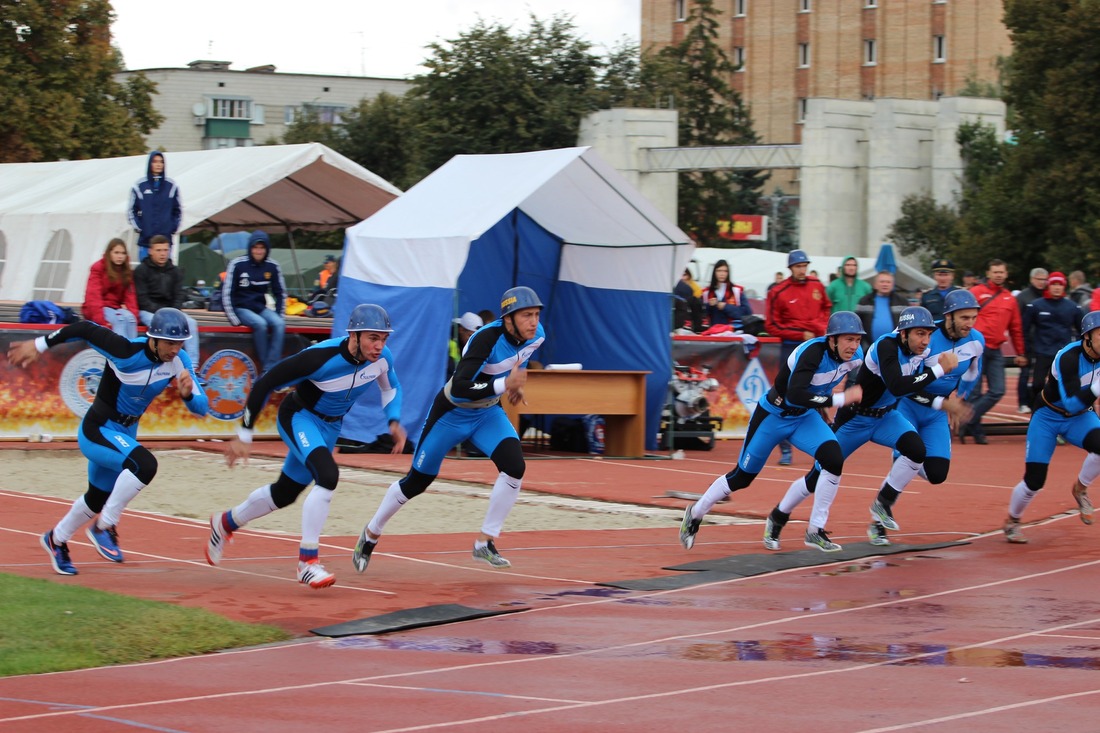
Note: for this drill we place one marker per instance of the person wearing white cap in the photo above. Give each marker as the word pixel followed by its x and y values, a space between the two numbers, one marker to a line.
pixel 467 323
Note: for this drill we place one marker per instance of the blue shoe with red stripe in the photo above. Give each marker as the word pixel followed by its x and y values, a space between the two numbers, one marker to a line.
pixel 106 542
pixel 59 554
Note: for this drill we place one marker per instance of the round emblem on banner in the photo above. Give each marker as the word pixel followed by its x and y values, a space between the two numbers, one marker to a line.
pixel 80 380
pixel 229 375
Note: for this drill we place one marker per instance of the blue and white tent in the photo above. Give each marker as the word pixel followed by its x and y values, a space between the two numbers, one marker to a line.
pixel 601 257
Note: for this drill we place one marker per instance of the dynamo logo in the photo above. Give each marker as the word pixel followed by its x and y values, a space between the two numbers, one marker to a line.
pixel 80 380
pixel 229 375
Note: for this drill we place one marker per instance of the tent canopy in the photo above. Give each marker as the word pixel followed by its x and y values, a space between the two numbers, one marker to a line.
pixel 601 257
pixel 56 218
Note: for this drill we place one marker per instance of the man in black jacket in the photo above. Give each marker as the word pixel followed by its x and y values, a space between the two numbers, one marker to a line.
pixel 159 284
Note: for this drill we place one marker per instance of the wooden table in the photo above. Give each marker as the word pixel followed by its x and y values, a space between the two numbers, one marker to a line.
pixel 617 396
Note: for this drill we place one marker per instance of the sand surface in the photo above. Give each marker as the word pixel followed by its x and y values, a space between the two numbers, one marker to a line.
pixel 196 484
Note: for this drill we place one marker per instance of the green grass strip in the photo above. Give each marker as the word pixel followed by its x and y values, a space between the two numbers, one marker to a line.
pixel 51 627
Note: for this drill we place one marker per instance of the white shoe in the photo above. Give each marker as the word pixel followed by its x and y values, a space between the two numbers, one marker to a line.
pixel 1023 410
pixel 219 538
pixel 314 575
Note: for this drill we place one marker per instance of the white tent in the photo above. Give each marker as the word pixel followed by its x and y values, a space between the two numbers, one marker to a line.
pixel 601 257
pixel 754 269
pixel 56 218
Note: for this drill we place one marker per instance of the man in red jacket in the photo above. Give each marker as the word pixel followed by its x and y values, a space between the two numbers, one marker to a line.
pixel 797 311
pixel 998 312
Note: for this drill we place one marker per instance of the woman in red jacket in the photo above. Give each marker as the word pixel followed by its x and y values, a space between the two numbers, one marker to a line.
pixel 110 298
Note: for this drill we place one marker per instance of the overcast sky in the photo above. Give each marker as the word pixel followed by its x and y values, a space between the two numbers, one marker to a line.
pixel 348 37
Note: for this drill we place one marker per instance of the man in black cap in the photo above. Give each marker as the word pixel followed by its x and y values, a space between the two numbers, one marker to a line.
pixel 943 272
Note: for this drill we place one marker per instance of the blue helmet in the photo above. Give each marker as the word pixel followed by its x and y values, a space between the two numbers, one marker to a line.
pixel 796 257
pixel 844 322
pixel 958 300
pixel 369 317
pixel 516 299
pixel 915 317
pixel 169 324
pixel 1090 321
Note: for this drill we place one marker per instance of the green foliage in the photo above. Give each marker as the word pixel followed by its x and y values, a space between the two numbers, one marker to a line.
pixel 60 98
pixel 50 627
pixel 695 74
pixel 1040 204
pixel 377 137
pixel 784 222
pixel 925 228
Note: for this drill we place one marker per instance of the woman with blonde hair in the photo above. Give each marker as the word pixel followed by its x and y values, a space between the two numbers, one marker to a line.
pixel 110 298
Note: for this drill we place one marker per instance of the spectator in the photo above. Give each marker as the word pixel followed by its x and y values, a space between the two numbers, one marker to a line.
pixel 881 308
pixel 326 280
pixel 797 311
pixel 845 292
pixel 1053 321
pixel 778 279
pixel 464 329
pixel 1094 304
pixel 244 296
pixel 1037 283
pixel 943 272
pixel 155 206
pixel 109 298
pixel 1079 290
pixel 687 307
pixel 970 279
pixel 160 285
pixel 725 302
pixel 998 319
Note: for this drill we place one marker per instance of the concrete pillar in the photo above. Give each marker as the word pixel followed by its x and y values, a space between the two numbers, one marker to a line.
pixel 620 134
pixel 947 164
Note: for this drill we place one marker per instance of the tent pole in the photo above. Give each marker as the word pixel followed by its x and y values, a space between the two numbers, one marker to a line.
pixel 297 269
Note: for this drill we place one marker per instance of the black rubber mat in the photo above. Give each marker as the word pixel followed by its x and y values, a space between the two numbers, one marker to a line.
pixel 743 566
pixel 411 618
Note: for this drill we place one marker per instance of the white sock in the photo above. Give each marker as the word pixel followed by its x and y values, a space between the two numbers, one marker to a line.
pixel 78 515
pixel 824 493
pixel 258 504
pixel 391 502
pixel 314 514
pixel 126 488
pixel 719 489
pixel 1090 468
pixel 796 494
pixel 902 472
pixel 501 500
pixel 1021 497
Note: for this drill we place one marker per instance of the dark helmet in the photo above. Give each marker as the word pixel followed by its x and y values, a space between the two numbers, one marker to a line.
pixel 844 322
pixel 915 317
pixel 796 257
pixel 516 299
pixel 1090 321
pixel 958 300
pixel 169 324
pixel 369 317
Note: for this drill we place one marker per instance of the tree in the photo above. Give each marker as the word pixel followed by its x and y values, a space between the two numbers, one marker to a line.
pixel 1041 206
pixel 492 91
pixel 60 97
pixel 696 74
pixel 925 228
pixel 377 137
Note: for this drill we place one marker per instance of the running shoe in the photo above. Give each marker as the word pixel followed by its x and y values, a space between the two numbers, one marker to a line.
pixel 59 554
pixel 876 534
pixel 772 529
pixel 1013 533
pixel 490 556
pixel 360 558
pixel 219 538
pixel 820 540
pixel 314 575
pixel 881 513
pixel 105 542
pixel 1084 505
pixel 689 527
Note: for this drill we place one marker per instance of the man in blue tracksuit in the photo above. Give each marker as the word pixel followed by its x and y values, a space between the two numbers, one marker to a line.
pixel 155 206
pixel 895 366
pixel 244 297
pixel 941 405
pixel 137 371
pixel 493 366
pixel 790 411
pixel 330 376
pixel 1063 408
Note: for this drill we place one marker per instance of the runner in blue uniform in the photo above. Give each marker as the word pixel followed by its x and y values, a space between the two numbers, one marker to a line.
pixel 329 377
pixel 941 406
pixel 493 364
pixel 790 411
pixel 137 370
pixel 895 366
pixel 1065 408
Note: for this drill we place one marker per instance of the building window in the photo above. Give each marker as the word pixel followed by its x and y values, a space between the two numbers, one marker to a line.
pixel 53 268
pixel 739 57
pixel 218 143
pixel 939 49
pixel 870 4
pixel 739 7
pixel 870 52
pixel 230 108
pixel 681 9
pixel 800 113
pixel 803 55
pixel 805 6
